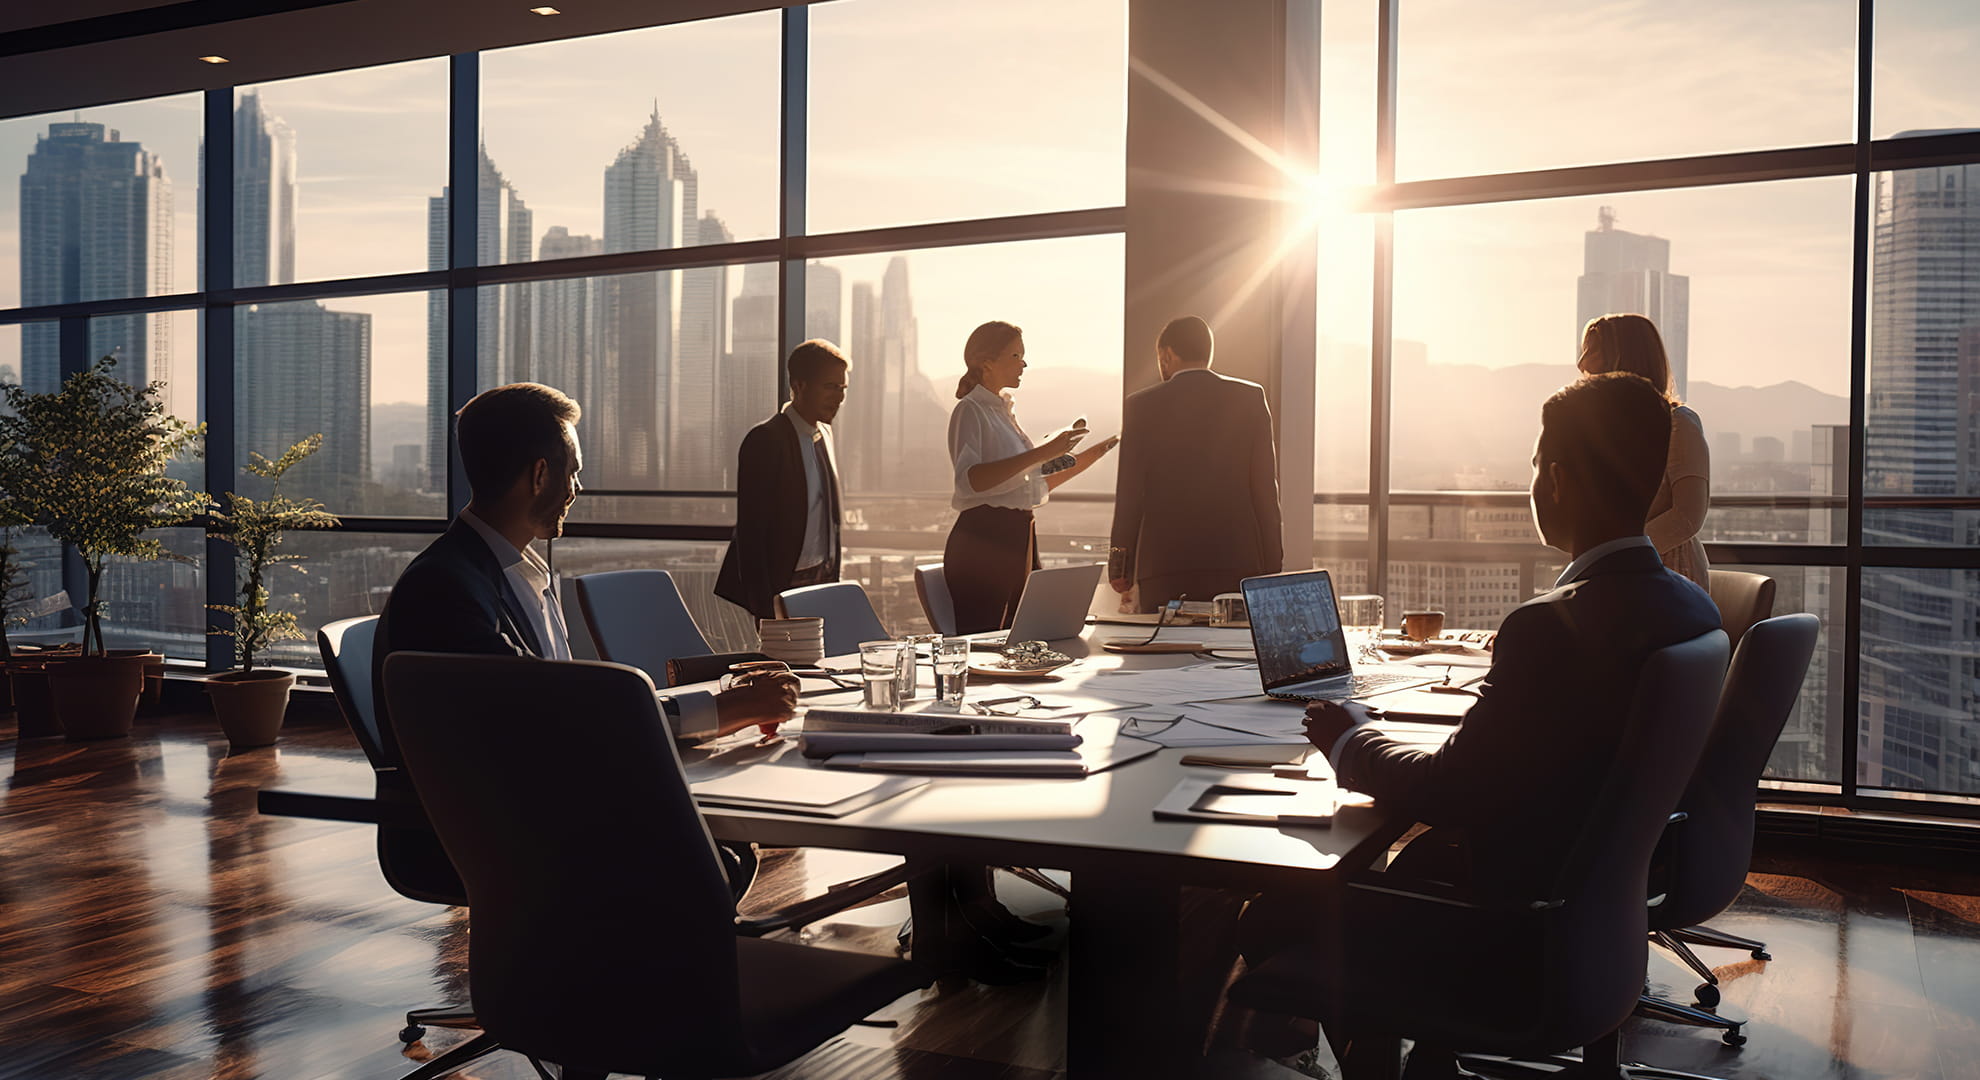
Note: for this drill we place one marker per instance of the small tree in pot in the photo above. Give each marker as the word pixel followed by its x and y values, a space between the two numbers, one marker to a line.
pixel 251 701
pixel 88 462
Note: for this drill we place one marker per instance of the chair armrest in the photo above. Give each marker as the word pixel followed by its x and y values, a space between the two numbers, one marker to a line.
pixel 386 810
pixel 686 670
pixel 837 898
pixel 278 802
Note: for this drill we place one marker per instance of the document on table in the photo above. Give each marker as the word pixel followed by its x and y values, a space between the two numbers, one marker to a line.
pixel 1211 681
pixel 1241 799
pixel 797 790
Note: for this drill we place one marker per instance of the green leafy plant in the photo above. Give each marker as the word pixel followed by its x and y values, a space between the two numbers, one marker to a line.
pixel 255 528
pixel 16 591
pixel 88 463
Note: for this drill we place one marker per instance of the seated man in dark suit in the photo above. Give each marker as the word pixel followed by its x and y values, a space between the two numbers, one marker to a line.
pixel 1507 791
pixel 480 588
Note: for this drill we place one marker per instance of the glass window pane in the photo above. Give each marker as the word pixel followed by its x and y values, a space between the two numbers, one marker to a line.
pixel 332 173
pixel 1532 84
pixel 352 369
pixel 345 574
pixel 694 564
pixel 902 319
pixel 160 604
pixel 1921 681
pixel 1490 301
pixel 1810 748
pixel 102 205
pixel 631 116
pixel 1923 75
pixel 934 110
pixel 670 367
pixel 1922 443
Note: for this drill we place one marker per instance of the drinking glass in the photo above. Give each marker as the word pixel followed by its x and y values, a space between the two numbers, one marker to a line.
pixel 951 669
pixel 1362 613
pixel 880 664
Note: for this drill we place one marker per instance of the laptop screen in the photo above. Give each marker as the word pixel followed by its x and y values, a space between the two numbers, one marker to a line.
pixel 1296 628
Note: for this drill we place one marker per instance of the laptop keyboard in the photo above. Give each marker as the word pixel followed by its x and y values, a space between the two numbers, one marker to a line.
pixel 1354 686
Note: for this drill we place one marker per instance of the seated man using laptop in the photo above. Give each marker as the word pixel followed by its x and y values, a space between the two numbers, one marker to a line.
pixel 1506 792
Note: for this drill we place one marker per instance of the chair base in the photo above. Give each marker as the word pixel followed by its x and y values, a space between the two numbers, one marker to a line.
pixel 445 1016
pixel 455 1059
pixel 1656 1008
pixel 1705 935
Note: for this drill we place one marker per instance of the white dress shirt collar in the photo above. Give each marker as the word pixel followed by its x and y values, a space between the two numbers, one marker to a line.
pixel 529 578
pixel 806 429
pixel 1596 554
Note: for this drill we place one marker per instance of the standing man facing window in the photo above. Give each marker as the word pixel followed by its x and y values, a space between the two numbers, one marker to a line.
pixel 787 489
pixel 1196 503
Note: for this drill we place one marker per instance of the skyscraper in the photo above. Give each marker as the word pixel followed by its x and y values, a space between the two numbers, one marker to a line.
pixel 96 223
pixel 1919 700
pixel 307 369
pixel 695 449
pixel 749 392
pixel 565 326
pixel 824 292
pixel 651 202
pixel 1631 272
pixel 300 368
pixel 264 196
pixel 503 338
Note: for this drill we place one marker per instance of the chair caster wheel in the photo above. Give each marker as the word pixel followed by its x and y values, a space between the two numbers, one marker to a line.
pixel 1707 995
pixel 1761 954
pixel 1733 1038
pixel 411 1034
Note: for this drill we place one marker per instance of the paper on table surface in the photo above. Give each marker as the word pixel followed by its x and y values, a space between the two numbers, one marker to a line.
pixel 1176 686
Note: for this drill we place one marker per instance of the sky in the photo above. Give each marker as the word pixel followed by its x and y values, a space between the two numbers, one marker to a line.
pixel 925 110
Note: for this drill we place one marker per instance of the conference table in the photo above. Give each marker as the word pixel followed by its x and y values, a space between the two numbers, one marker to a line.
pixel 1125 1013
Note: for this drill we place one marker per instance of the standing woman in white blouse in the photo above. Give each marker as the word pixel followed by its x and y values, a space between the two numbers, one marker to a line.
pixel 1631 343
pixel 1000 478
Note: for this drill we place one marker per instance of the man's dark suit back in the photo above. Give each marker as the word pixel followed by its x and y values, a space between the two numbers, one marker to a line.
pixel 1197 498
pixel 453 597
pixel 772 504
pixel 1514 780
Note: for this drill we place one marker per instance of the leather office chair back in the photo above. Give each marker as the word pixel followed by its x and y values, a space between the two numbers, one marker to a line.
pixel 637 617
pixel 848 614
pixel 1743 599
pixel 346 648
pixel 603 920
pixel 1592 957
pixel 933 589
pixel 1707 855
pixel 408 856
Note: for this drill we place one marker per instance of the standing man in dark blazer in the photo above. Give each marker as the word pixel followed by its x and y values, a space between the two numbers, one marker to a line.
pixel 787 489
pixel 1196 505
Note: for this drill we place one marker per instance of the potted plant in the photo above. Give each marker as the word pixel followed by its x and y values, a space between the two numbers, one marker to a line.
pixel 87 462
pixel 251 701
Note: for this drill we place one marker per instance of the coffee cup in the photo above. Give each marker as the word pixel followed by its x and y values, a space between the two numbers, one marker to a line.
pixel 1228 609
pixel 1422 625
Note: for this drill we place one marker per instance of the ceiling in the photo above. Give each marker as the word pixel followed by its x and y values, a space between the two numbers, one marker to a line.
pixel 69 54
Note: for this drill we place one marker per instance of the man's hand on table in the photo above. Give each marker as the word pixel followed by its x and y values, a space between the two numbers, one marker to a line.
pixel 1327 721
pixel 766 701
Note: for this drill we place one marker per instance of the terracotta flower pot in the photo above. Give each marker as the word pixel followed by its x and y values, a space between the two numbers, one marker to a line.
pixel 96 697
pixel 251 704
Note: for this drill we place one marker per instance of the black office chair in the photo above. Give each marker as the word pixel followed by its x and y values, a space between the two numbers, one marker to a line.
pixel 605 935
pixel 409 855
pixel 1533 978
pixel 1702 863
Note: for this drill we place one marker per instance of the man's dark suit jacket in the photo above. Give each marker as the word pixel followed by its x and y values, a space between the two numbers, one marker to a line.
pixel 1196 504
pixel 453 597
pixel 1514 780
pixel 771 506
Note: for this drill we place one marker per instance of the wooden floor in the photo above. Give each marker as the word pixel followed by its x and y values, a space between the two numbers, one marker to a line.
pixel 153 926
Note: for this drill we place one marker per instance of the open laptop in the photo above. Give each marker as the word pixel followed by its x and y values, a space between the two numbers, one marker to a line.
pixel 1053 607
pixel 1302 650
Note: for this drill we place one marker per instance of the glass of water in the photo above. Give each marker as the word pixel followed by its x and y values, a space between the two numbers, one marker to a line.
pixel 951 669
pixel 880 664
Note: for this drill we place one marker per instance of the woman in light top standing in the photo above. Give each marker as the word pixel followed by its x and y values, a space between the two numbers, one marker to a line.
pixel 1001 476
pixel 1631 343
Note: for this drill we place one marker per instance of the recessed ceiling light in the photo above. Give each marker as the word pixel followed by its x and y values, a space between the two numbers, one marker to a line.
pixel 544 11
pixel 213 59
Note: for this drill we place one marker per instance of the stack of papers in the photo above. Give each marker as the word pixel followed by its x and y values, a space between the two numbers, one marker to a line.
pixel 1100 746
pixel 811 792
